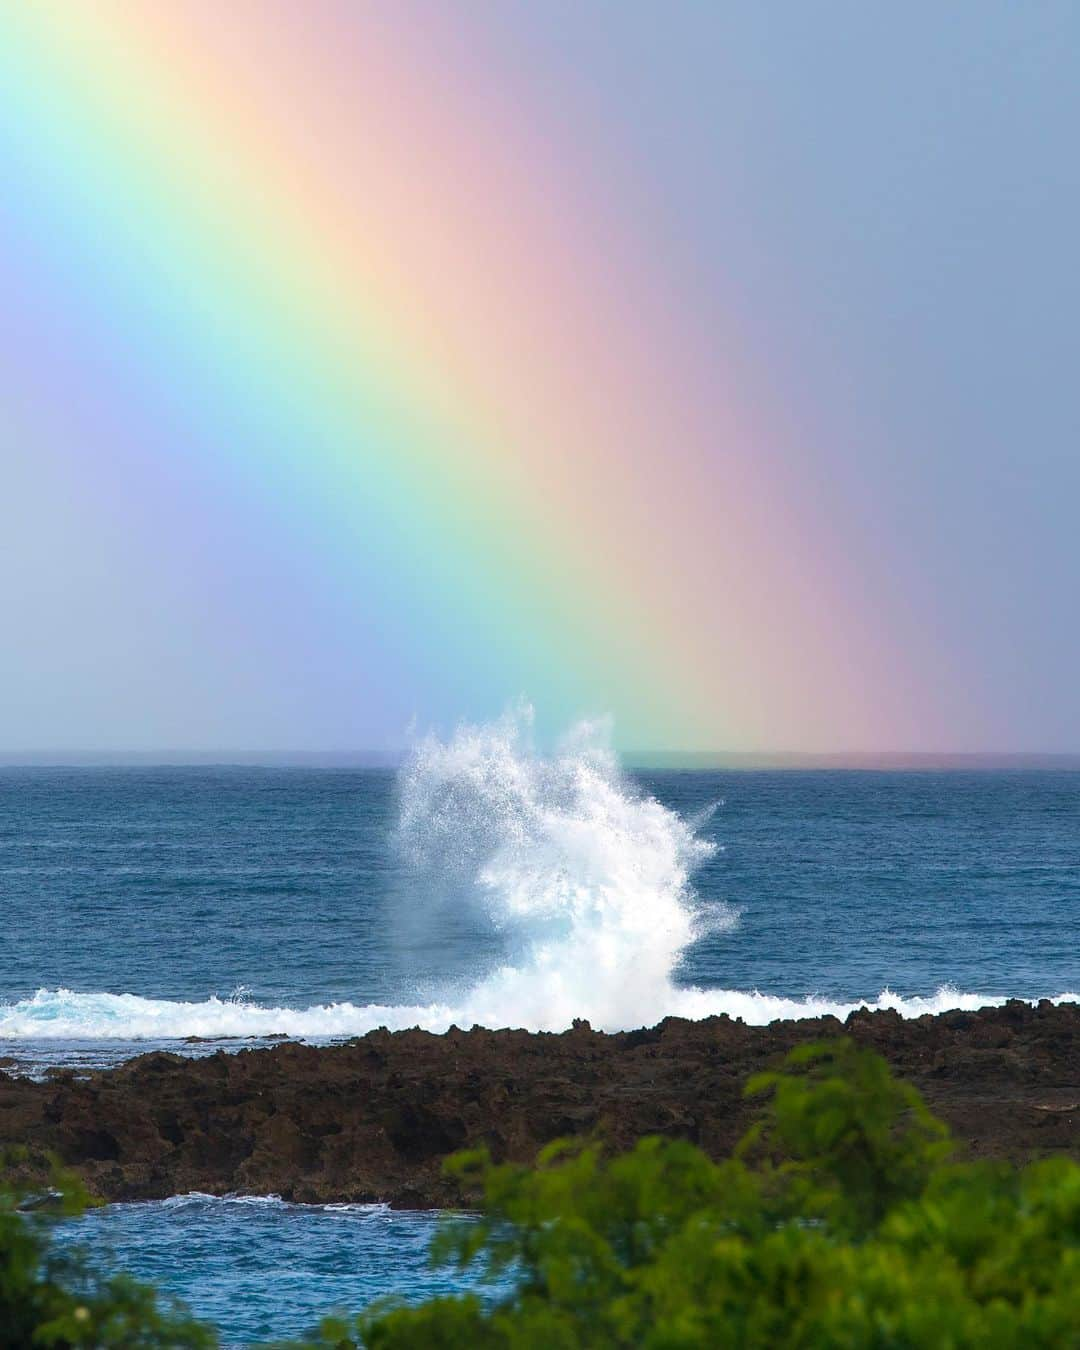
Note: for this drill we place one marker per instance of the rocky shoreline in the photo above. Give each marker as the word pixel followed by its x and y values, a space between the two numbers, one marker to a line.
pixel 373 1119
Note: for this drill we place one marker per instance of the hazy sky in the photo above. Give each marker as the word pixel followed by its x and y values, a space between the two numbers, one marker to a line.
pixel 868 215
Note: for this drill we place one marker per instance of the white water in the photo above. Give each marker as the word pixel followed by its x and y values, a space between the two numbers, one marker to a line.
pixel 63 1015
pixel 589 880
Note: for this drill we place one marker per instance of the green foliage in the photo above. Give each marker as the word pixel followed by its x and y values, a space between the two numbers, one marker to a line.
pixel 851 1141
pixel 840 1223
pixel 52 1299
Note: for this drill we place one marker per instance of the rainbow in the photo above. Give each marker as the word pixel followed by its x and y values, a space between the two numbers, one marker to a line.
pixel 396 317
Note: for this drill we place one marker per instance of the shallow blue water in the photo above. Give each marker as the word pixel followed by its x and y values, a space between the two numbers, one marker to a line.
pixel 260 1269
pixel 174 886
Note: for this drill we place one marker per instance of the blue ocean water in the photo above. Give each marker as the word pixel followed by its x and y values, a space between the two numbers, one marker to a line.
pixel 259 1269
pixel 283 886
pixel 143 906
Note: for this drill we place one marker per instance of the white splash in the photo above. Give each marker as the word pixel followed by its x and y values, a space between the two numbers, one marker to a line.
pixel 588 878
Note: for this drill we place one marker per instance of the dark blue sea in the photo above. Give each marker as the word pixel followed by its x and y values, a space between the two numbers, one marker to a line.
pixel 483 884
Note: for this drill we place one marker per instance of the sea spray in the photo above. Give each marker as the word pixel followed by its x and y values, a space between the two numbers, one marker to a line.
pixel 589 877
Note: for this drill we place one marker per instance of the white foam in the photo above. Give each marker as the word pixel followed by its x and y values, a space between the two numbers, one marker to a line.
pixel 203 1200
pixel 63 1015
pixel 588 879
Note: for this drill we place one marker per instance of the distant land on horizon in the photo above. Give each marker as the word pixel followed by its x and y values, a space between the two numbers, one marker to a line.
pixel 891 760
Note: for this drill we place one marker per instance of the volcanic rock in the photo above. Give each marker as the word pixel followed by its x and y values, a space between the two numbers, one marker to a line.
pixel 374 1118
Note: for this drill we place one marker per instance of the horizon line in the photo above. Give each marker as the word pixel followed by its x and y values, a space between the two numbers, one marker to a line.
pixel 633 759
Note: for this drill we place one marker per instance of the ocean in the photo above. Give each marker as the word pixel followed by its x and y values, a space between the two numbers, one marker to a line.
pixel 144 907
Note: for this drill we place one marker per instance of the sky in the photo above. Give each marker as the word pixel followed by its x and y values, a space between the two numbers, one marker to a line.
pixel 711 368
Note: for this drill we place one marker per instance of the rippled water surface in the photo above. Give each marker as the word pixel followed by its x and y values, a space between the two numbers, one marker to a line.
pixel 258 1268
pixel 282 888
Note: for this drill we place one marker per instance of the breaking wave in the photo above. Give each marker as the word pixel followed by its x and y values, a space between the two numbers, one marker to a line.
pixel 63 1015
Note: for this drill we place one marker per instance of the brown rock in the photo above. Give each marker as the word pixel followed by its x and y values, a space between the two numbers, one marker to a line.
pixel 373 1119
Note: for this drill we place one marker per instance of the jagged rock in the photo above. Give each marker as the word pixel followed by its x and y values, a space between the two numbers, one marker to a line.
pixel 373 1119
